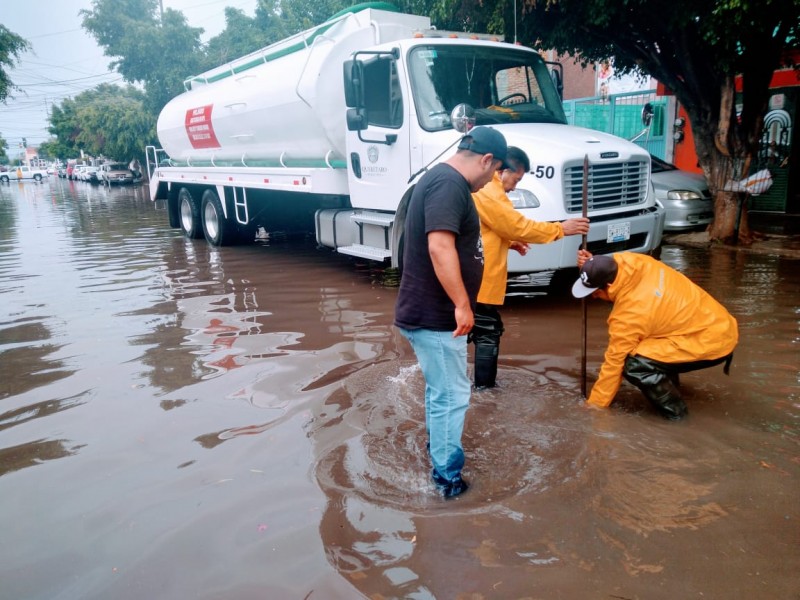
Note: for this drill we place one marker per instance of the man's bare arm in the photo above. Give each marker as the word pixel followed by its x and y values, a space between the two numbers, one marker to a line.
pixel 443 253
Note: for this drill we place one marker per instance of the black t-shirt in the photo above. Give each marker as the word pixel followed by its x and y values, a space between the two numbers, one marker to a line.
pixel 441 202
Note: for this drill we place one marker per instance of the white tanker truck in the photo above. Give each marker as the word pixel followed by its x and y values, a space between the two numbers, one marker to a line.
pixel 327 130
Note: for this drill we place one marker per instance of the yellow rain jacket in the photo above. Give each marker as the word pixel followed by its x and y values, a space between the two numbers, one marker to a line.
pixel 660 314
pixel 502 224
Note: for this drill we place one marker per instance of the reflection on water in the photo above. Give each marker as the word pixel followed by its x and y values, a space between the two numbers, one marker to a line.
pixel 245 422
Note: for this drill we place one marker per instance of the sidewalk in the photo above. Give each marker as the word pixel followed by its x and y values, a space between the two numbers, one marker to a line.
pixel 781 236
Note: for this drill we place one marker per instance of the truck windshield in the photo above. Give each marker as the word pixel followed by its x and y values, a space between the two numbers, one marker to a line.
pixel 503 85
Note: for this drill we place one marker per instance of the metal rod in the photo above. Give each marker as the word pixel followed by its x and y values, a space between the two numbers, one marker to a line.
pixel 584 213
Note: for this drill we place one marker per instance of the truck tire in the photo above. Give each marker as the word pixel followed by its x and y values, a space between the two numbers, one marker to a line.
pixel 190 215
pixel 174 210
pixel 561 283
pixel 217 229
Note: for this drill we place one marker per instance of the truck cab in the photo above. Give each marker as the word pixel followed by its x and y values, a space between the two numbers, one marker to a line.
pixel 401 97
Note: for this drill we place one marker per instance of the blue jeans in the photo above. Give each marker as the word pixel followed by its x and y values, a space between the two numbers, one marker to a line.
pixel 443 360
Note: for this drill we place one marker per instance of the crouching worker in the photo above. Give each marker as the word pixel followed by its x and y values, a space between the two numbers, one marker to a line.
pixel 661 325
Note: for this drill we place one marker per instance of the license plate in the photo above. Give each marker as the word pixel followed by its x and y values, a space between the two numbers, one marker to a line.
pixel 619 232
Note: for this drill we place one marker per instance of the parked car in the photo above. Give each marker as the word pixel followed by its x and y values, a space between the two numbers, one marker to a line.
pixel 683 194
pixel 91 174
pixel 87 173
pixel 115 173
pixel 75 174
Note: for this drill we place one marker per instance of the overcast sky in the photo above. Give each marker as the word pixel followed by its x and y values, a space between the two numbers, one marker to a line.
pixel 65 60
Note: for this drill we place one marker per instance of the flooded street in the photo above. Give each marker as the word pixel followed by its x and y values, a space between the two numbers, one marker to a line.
pixel 181 421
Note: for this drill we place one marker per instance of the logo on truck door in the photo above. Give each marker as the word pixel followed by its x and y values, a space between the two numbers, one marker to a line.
pixel 199 128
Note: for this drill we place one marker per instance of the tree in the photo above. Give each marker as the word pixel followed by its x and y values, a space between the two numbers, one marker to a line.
pixel 273 21
pixel 11 47
pixel 106 121
pixel 697 48
pixel 3 148
pixel 158 52
pixel 242 35
pixel 65 127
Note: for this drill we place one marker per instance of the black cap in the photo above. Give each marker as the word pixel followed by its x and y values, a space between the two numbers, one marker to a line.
pixel 486 140
pixel 596 273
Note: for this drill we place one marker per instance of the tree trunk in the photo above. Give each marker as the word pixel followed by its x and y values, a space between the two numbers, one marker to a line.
pixel 730 208
pixel 727 216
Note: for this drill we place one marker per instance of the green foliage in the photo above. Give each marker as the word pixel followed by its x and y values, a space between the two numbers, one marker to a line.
pixel 158 53
pixel 3 147
pixel 697 48
pixel 108 121
pixel 45 151
pixel 11 47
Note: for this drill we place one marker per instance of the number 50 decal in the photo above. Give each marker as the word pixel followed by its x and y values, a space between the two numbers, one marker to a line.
pixel 544 172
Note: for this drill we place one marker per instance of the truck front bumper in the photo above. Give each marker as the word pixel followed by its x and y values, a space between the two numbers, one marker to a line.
pixel 639 231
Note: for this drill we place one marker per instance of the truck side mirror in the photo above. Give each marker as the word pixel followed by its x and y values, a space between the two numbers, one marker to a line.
pixel 462 117
pixel 558 80
pixel 353 71
pixel 357 119
pixel 647 114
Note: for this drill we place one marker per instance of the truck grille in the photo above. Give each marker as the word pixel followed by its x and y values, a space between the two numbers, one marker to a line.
pixel 611 185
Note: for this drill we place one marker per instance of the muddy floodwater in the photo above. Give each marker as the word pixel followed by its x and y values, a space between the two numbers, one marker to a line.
pixel 181 421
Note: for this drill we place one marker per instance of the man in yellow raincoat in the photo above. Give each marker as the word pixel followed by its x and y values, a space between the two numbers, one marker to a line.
pixel 503 228
pixel 661 325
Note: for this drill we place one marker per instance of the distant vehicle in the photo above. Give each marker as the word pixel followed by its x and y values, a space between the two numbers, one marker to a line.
pixel 90 174
pixel 23 173
pixel 75 174
pixel 62 171
pixel 115 173
pixel 683 194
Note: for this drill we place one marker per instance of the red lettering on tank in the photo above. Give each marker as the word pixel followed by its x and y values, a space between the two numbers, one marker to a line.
pixel 199 128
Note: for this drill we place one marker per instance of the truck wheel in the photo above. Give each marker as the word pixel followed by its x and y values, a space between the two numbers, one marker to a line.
pixel 561 282
pixel 190 215
pixel 37 177
pixel 216 227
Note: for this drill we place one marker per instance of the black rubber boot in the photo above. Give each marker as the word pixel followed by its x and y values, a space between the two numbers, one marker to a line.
pixel 657 385
pixel 486 365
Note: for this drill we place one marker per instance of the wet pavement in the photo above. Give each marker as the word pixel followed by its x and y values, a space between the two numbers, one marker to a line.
pixel 179 421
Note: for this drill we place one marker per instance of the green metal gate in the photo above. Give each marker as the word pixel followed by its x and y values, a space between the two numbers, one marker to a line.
pixel 621 115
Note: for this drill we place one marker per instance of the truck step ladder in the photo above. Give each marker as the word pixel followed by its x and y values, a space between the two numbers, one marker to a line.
pixel 374 236
pixel 363 251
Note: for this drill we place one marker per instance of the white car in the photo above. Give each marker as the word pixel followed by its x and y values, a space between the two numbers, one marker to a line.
pixel 684 196
pixel 76 172
pixel 89 174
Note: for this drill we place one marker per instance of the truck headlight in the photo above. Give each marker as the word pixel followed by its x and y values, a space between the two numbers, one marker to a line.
pixel 683 195
pixel 523 199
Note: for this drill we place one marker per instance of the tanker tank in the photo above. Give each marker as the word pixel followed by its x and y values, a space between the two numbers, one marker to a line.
pixel 280 106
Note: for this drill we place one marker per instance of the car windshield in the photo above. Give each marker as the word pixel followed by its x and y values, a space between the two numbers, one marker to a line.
pixel 116 167
pixel 503 85
pixel 659 166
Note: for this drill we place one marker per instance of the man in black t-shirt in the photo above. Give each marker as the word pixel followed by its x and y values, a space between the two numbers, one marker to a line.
pixel 442 270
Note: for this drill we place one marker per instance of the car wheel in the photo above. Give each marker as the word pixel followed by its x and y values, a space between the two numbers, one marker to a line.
pixel 37 177
pixel 190 215
pixel 4 178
